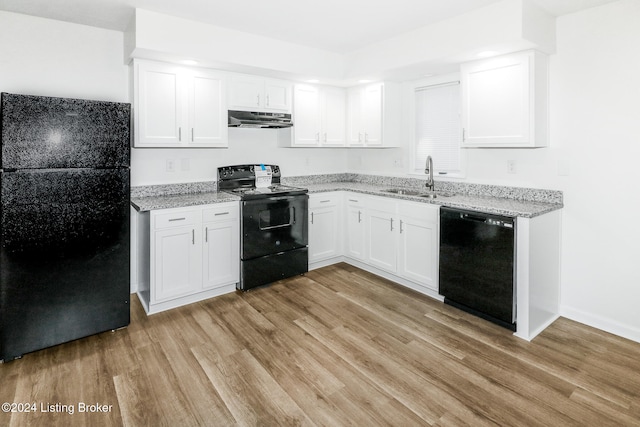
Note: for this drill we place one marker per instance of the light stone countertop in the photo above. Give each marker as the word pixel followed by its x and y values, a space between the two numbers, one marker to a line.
pixel 148 203
pixel 485 204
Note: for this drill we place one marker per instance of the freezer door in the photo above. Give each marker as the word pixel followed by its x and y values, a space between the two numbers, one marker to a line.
pixel 64 257
pixel 42 132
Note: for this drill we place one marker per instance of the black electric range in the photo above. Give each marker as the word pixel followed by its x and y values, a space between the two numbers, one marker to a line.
pixel 273 228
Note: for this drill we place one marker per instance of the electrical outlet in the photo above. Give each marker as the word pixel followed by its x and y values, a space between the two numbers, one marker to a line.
pixel 397 163
pixel 171 165
pixel 511 166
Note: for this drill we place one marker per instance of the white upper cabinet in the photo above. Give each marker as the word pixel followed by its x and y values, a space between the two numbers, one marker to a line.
pixel 373 115
pixel 176 107
pixel 319 116
pixel 505 101
pixel 253 93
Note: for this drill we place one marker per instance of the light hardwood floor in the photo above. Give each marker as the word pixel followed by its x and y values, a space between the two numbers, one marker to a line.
pixel 335 347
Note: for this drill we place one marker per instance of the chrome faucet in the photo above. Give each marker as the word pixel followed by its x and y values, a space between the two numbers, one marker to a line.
pixel 429 171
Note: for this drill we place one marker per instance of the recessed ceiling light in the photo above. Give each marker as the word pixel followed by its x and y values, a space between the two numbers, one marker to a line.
pixel 312 81
pixel 189 62
pixel 487 53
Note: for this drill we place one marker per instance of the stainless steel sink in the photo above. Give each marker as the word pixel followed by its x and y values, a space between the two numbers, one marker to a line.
pixel 406 192
pixel 418 193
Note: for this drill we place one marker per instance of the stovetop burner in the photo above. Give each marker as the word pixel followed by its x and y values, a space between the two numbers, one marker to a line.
pixel 241 180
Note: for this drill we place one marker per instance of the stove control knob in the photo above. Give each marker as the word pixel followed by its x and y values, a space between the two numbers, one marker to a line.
pixel 231 172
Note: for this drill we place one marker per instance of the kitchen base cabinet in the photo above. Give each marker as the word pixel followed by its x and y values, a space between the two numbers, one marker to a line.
pixel 419 240
pixel 324 226
pixel 354 241
pixel 187 255
pixel 394 239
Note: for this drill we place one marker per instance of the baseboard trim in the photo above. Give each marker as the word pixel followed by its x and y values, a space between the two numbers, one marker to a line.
pixel 602 323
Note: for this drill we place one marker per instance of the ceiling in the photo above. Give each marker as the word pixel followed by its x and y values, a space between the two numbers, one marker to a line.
pixel 340 26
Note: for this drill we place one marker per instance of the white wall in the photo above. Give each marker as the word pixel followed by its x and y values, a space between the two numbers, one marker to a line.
pixel 148 166
pixel 52 58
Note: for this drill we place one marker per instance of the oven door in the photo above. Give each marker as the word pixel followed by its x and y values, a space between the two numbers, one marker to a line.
pixel 273 225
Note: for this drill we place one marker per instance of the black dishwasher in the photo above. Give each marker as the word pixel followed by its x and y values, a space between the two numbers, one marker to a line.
pixel 477 264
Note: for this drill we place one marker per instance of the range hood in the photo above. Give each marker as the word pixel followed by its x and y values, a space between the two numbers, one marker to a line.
pixel 249 119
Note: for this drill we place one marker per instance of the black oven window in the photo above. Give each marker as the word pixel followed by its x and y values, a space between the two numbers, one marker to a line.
pixel 276 217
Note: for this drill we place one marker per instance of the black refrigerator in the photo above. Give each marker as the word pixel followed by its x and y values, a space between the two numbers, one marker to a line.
pixel 64 227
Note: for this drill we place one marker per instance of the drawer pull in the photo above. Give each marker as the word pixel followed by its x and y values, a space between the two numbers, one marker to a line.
pixel 221 213
pixel 325 201
pixel 206 234
pixel 354 201
pixel 177 219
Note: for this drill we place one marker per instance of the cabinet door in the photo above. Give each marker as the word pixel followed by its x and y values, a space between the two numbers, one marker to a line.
pixel 221 253
pixel 355 233
pixel 323 227
pixel 159 105
pixel 176 263
pixel 382 244
pixel 496 108
pixel 277 95
pixel 418 249
pixel 246 93
pixel 207 111
pixel 306 116
pixel 355 133
pixel 334 114
pixel 372 114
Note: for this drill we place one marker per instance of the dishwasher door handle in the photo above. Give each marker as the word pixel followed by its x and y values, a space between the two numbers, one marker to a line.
pixel 472 217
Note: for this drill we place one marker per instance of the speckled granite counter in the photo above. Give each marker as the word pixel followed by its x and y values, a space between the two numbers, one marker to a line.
pixel 149 203
pixel 495 205
pixel 501 200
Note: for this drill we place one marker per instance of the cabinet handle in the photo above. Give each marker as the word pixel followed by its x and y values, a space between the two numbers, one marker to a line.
pixel 325 201
pixel 463 135
pixel 193 236
pixel 400 226
pixel 206 234
pixel 191 134
pixel 220 213
pixel 267 100
pixel 391 224
pixel 352 200
pixel 179 134
pixel 325 137
pixel 258 100
pixel 359 217
pixel 311 217
pixel 177 219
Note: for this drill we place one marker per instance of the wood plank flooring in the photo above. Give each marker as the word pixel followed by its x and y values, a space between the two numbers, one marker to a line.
pixel 336 347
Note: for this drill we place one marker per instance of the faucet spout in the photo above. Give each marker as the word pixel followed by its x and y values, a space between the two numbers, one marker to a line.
pixel 429 171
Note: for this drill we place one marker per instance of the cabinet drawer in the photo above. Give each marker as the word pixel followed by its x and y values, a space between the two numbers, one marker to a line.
pixel 223 212
pixel 420 211
pixel 175 219
pixel 322 200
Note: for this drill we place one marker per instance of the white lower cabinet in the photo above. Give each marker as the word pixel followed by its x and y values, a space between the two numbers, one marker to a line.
pixel 187 254
pixel 418 244
pixel 397 237
pixel 324 226
pixel 354 242
pixel 221 246
pixel 382 243
pixel 176 263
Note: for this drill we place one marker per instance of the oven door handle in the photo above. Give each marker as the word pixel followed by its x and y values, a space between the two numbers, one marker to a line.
pixel 281 198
